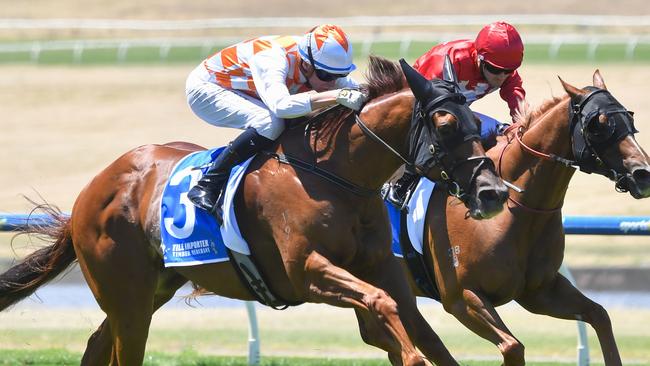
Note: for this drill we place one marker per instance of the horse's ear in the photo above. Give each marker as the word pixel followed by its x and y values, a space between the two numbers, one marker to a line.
pixel 448 72
pixel 420 86
pixel 570 89
pixel 598 80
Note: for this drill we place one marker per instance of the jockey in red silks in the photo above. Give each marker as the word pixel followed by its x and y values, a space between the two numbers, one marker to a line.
pixel 482 66
pixel 256 84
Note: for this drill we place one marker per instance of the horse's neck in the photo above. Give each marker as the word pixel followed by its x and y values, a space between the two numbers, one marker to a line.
pixel 544 182
pixel 367 162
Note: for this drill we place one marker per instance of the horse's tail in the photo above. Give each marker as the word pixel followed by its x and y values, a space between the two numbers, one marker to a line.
pixel 43 265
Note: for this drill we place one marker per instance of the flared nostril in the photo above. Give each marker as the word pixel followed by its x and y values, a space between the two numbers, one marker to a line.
pixel 488 195
pixel 641 176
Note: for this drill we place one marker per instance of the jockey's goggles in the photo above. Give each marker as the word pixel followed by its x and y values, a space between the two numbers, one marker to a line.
pixel 322 74
pixel 326 76
pixel 496 70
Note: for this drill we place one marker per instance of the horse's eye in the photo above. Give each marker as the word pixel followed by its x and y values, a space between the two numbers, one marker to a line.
pixel 593 126
pixel 600 128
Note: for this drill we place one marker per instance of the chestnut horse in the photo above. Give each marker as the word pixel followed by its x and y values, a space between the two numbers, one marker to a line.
pixel 313 240
pixel 516 255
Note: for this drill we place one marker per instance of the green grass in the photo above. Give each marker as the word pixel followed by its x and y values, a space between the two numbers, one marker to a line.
pixel 189 357
pixel 535 53
pixel 309 331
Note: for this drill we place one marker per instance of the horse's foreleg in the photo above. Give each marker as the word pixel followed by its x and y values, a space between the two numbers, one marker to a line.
pixel 390 276
pixel 560 299
pixel 374 335
pixel 333 285
pixel 478 314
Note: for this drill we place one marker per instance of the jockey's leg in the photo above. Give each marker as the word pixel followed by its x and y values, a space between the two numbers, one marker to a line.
pixel 490 129
pixel 205 194
pixel 229 108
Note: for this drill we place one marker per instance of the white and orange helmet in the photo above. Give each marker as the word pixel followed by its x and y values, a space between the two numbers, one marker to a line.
pixel 329 49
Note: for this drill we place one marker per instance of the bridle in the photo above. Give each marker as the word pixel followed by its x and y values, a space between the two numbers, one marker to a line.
pixel 620 123
pixel 588 141
pixel 437 147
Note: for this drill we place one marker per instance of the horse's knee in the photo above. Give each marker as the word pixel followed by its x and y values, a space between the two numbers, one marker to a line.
pixel 597 316
pixel 413 360
pixel 513 352
pixel 380 302
pixel 456 307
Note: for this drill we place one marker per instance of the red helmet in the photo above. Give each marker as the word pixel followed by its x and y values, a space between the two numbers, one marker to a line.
pixel 500 45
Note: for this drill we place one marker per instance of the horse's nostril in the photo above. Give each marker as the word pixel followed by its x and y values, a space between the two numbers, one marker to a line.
pixel 488 195
pixel 641 175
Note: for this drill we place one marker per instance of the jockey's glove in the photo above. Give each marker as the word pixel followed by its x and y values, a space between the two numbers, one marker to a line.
pixel 351 98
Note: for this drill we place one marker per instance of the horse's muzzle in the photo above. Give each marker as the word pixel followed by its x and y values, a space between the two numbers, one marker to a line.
pixel 489 199
pixel 639 183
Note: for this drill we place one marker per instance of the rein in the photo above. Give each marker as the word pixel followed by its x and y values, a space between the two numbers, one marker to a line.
pixel 519 134
pixel 550 157
pixel 311 167
pixel 437 152
pixel 327 175
pixel 373 136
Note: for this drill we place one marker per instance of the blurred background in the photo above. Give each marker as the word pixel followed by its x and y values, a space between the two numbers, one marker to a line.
pixel 82 82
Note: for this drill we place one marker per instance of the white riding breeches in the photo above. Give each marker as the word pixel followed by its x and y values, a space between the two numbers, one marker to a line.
pixel 229 107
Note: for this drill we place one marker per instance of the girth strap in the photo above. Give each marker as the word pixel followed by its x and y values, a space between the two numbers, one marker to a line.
pixel 424 279
pixel 253 279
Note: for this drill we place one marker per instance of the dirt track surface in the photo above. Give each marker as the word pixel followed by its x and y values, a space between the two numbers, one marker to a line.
pixel 61 126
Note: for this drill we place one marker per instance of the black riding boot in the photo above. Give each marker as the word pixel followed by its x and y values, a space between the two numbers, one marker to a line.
pixel 400 190
pixel 206 194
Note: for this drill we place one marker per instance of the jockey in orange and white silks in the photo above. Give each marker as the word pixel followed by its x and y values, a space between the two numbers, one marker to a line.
pixel 256 84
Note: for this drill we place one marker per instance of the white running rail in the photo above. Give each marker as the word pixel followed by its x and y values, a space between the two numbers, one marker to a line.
pixel 598 21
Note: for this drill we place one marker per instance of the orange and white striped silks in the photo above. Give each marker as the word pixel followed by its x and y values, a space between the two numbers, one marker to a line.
pixel 230 68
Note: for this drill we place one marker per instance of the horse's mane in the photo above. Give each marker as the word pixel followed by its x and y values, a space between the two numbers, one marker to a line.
pixel 383 77
pixel 527 116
